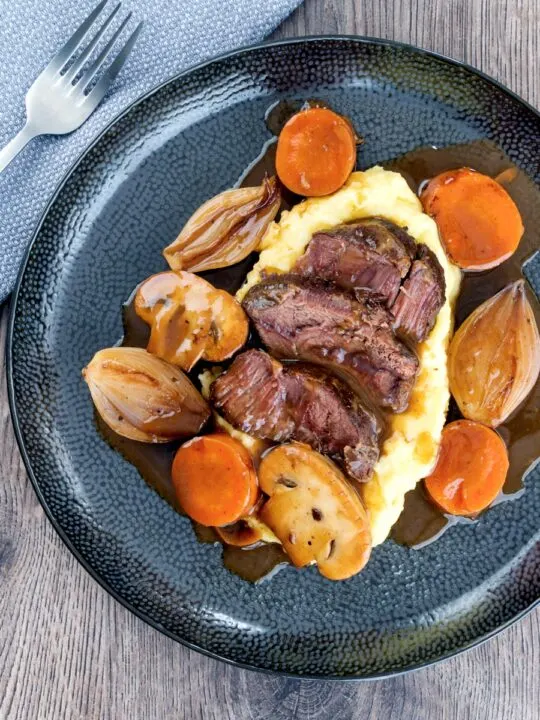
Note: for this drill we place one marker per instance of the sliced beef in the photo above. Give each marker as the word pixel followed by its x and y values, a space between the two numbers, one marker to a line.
pixel 263 413
pixel 264 398
pixel 420 298
pixel 373 254
pixel 350 334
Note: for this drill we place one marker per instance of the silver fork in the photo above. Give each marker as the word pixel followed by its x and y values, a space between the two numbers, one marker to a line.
pixel 59 102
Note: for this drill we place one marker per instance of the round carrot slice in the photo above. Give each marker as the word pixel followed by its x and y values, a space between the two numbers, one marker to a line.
pixel 316 152
pixel 478 221
pixel 471 469
pixel 214 479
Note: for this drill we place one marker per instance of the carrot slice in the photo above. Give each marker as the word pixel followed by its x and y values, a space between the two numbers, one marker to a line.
pixel 479 222
pixel 316 152
pixel 214 479
pixel 471 469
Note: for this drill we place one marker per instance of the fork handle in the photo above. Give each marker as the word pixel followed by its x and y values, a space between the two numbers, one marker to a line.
pixel 14 147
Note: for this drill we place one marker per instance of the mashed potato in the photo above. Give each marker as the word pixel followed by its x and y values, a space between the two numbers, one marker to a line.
pixel 410 450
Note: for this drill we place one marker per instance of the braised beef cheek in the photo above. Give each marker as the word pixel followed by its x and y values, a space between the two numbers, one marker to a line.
pixel 377 255
pixel 372 254
pixel 351 334
pixel 420 298
pixel 266 399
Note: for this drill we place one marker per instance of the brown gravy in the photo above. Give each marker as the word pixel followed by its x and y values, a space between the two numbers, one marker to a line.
pixel 154 462
pixel 421 522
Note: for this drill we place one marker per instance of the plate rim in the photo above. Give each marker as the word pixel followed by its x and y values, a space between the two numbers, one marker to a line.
pixel 13 303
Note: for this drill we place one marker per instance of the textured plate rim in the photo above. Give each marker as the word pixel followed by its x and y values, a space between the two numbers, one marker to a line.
pixel 10 369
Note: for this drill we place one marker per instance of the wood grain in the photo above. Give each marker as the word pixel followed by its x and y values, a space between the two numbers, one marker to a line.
pixel 68 650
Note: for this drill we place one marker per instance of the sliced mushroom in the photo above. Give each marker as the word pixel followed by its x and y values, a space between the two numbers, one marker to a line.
pixel 247 531
pixel 314 511
pixel 239 534
pixel 228 327
pixel 190 319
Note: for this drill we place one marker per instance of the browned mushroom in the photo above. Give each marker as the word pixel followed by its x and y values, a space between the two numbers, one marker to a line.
pixel 314 511
pixel 248 531
pixel 240 534
pixel 190 319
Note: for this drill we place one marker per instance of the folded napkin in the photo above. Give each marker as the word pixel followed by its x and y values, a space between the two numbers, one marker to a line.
pixel 176 35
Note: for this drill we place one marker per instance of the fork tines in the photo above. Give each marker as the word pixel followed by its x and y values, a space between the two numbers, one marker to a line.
pixel 71 68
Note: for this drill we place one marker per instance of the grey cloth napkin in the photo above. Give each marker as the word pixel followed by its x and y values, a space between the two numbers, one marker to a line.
pixel 176 35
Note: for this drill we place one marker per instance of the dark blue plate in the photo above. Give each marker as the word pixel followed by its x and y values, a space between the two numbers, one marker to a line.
pixel 104 232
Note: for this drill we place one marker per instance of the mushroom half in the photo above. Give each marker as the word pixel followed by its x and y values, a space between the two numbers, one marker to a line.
pixel 314 511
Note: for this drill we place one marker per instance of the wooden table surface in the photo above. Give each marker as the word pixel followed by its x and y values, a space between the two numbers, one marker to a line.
pixel 69 651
